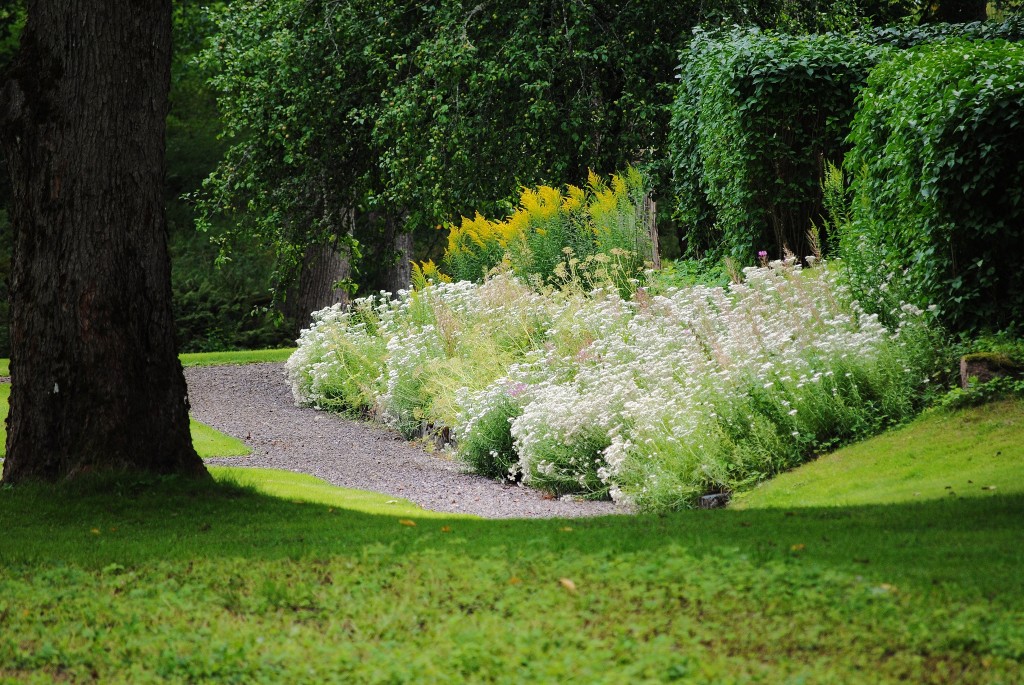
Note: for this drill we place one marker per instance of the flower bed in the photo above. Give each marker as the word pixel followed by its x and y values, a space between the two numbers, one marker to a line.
pixel 655 400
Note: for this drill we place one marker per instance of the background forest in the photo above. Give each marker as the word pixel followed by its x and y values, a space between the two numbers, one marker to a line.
pixel 319 145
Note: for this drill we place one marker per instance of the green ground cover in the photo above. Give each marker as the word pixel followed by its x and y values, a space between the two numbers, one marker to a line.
pixel 965 454
pixel 222 582
pixel 237 357
pixel 212 443
pixel 209 358
pixel 207 441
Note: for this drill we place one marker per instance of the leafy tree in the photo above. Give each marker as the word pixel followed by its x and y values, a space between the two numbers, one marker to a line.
pixel 227 306
pixel 96 383
pixel 350 119
pixel 297 82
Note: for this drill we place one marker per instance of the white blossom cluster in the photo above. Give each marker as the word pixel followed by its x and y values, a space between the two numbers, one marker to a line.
pixel 654 400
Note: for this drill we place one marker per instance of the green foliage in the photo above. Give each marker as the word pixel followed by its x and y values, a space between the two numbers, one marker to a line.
pixel 906 36
pixel 983 393
pixel 521 93
pixel 12 19
pixel 942 454
pixel 226 306
pixel 938 173
pixel 162 580
pixel 756 116
pixel 488 447
pixel 342 359
pixel 590 236
pixel 230 306
pixel 294 81
pixel 425 113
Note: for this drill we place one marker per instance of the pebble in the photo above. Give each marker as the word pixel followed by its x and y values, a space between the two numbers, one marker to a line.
pixel 253 402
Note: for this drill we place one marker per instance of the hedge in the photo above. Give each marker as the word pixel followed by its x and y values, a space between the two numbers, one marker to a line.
pixel 938 176
pixel 756 116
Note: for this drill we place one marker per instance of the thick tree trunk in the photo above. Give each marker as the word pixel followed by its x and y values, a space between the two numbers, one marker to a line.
pixel 96 383
pixel 324 265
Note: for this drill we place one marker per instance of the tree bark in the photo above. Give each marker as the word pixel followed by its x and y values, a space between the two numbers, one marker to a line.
pixel 96 382
pixel 398 275
pixel 325 264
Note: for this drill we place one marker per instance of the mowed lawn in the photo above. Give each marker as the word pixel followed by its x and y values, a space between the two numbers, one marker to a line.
pixel 281 578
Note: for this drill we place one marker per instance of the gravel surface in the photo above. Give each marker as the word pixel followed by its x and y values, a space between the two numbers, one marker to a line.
pixel 253 402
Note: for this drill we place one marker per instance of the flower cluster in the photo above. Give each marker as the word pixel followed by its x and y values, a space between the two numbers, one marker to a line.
pixel 653 400
pixel 551 227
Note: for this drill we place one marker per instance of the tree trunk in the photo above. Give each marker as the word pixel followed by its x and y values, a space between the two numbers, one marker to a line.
pixel 399 270
pixel 324 265
pixel 96 382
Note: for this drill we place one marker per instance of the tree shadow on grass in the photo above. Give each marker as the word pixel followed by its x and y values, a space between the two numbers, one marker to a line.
pixel 973 545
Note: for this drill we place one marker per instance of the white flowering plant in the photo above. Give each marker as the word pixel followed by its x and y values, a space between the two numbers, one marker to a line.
pixel 653 400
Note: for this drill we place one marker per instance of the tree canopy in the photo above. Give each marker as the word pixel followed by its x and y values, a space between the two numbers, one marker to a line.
pixel 420 113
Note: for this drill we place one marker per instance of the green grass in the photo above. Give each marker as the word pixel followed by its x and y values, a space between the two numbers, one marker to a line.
pixel 163 580
pixel 209 358
pixel 974 454
pixel 299 487
pixel 240 357
pixel 212 443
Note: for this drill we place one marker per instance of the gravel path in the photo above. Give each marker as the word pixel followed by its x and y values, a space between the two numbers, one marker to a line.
pixel 253 402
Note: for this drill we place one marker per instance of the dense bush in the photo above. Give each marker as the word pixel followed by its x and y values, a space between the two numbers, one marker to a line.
pixel 599 232
pixel 938 177
pixel 756 117
pixel 656 399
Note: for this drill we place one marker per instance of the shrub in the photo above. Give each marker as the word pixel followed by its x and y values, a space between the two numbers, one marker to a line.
pixel 755 117
pixel 655 399
pixel 938 177
pixel 339 359
pixel 405 360
pixel 598 232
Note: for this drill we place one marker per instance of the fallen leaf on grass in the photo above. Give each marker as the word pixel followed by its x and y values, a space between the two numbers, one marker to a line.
pixel 446 529
pixel 516 581
pixel 95 531
pixel 568 585
pixel 566 529
pixel 797 547
pixel 407 522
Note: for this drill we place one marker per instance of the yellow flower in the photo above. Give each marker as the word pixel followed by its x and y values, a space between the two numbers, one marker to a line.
pixel 574 199
pixel 619 185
